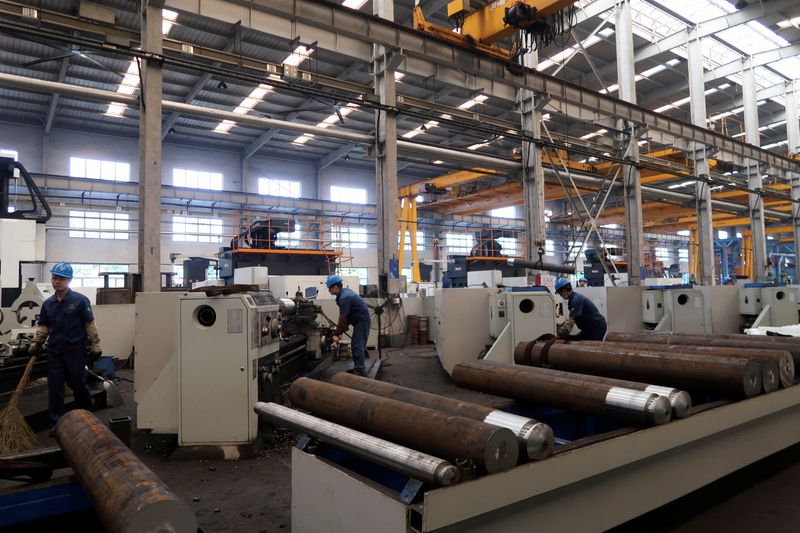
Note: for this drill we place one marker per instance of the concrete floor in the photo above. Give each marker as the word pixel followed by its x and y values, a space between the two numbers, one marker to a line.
pixel 255 495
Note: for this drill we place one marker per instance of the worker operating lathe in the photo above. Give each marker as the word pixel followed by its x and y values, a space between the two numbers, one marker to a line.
pixel 353 311
pixel 67 319
pixel 582 313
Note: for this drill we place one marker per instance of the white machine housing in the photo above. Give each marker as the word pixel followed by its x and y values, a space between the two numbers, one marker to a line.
pixel 770 305
pixel 519 315
pixel 674 309
pixel 219 342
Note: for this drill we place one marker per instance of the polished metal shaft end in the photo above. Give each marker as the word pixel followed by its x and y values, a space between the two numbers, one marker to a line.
pixel 539 440
pixel 447 474
pixel 658 410
pixel 680 400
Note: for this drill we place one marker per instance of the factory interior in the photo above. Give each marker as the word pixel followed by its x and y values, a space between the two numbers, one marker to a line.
pixel 413 266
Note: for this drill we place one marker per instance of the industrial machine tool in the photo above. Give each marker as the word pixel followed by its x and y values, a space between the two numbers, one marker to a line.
pixel 519 314
pixel 768 304
pixel 673 308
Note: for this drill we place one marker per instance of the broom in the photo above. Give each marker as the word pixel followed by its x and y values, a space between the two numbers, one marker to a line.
pixel 15 434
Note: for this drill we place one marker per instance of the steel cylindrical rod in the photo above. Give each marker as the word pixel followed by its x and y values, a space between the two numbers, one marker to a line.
pixel 544 387
pixel 539 265
pixel 732 377
pixel 782 358
pixel 126 494
pixel 536 439
pixel 451 437
pixel 680 401
pixel 790 344
pixel 416 464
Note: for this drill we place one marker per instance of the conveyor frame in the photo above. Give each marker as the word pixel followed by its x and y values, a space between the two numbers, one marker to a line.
pixel 613 480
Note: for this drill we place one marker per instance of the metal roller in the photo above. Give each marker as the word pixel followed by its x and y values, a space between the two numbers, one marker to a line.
pixel 726 376
pixel 491 448
pixel 782 358
pixel 410 462
pixel 789 344
pixel 574 393
pixel 680 401
pixel 535 438
pixel 127 496
pixel 540 265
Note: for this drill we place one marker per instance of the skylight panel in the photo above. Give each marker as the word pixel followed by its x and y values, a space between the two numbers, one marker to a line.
pixel 303 139
pixel 299 55
pixel 354 4
pixel 698 10
pixel 473 102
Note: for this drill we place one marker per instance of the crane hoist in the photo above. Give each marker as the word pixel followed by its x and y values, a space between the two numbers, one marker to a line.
pixel 530 24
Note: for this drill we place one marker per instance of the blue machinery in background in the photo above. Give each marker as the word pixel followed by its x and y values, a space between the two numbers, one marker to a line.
pixel 781 255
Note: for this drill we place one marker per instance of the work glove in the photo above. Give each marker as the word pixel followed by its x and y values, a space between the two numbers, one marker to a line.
pixel 34 349
pixel 94 353
pixel 564 329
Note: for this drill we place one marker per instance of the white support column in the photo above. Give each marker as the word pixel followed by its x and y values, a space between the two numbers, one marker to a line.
pixel 384 66
pixel 705 229
pixel 632 199
pixel 749 93
pixel 150 150
pixel 793 135
pixel 530 105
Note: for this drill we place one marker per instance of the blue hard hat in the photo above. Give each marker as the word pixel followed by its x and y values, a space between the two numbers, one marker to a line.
pixel 62 270
pixel 726 280
pixel 561 283
pixel 332 280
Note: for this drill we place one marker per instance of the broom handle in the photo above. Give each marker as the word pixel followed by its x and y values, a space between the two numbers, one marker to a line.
pixel 22 382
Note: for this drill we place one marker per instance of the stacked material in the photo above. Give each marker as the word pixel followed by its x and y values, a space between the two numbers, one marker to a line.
pixel 730 377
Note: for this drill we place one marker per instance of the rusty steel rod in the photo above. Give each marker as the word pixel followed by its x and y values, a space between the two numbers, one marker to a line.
pixel 782 358
pixel 536 439
pixel 726 376
pixel 542 386
pixel 680 401
pixel 127 496
pixel 789 344
pixel 451 437
pixel 410 462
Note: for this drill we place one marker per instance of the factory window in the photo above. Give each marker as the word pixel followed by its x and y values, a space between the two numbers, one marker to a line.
pixel 194 229
pixel 505 212
pixel 361 272
pixel 271 187
pixel 351 195
pixel 459 243
pixel 346 237
pixel 88 275
pixel 408 273
pixel 98 225
pixel 683 254
pixel 420 240
pixel 81 167
pixel 197 179
pixel 9 153
pixel 663 254
pixel 290 240
pixel 510 246
pixel 722 234
pixel 549 247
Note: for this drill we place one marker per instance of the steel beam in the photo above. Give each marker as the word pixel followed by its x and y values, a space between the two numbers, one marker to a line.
pixel 337 154
pixel 754 181
pixel 705 230
pixel 533 186
pixel 793 136
pixel 149 242
pixel 353 34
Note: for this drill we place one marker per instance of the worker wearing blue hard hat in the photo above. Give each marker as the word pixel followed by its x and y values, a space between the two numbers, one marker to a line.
pixel 582 313
pixel 353 311
pixel 727 281
pixel 66 321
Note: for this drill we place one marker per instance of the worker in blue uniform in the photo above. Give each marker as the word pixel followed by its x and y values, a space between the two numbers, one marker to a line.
pixel 727 281
pixel 353 311
pixel 582 313
pixel 67 323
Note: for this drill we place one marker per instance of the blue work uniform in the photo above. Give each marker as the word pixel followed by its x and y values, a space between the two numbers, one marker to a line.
pixel 66 349
pixel 586 316
pixel 356 312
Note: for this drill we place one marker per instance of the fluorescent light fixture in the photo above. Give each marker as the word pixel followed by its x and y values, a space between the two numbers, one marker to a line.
pixel 438 162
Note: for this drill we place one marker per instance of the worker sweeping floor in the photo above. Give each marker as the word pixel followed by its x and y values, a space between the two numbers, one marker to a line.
pixel 255 494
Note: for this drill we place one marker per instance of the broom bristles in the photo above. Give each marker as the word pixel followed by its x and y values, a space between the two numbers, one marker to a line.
pixel 15 433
